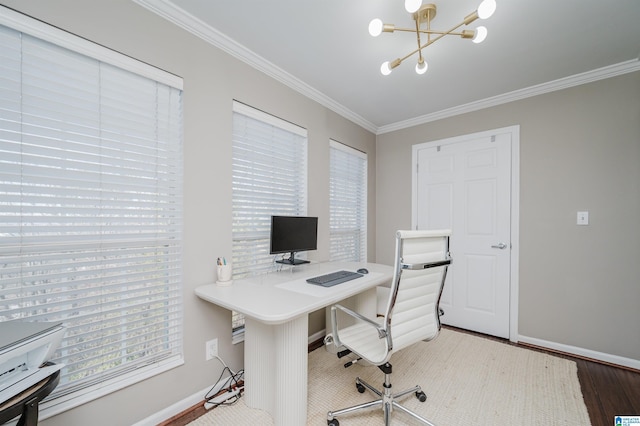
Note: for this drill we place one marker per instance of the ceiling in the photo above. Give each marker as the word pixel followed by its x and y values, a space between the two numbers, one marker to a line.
pixel 323 49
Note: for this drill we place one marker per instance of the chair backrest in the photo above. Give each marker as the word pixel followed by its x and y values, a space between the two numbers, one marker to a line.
pixel 412 312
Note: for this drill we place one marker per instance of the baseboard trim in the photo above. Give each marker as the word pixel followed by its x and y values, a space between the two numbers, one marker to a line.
pixel 583 353
pixel 317 336
pixel 173 410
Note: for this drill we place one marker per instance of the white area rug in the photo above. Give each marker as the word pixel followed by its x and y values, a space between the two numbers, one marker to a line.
pixel 468 380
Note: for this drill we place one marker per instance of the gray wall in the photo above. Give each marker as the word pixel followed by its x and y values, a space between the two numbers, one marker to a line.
pixel 579 150
pixel 212 79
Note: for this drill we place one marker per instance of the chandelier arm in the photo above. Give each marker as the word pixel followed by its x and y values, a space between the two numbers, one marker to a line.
pixel 444 33
pixel 440 32
pixel 412 53
pixel 407 30
pixel 419 42
pixel 411 30
pixel 430 42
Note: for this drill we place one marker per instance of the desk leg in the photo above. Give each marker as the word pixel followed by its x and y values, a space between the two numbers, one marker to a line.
pixel 275 363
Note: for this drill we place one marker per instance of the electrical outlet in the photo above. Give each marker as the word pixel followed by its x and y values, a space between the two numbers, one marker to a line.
pixel 211 349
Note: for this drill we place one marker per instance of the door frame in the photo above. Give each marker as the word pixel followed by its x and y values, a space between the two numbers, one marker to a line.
pixel 515 207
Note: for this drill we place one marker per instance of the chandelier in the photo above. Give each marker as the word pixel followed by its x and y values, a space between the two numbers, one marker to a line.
pixel 422 15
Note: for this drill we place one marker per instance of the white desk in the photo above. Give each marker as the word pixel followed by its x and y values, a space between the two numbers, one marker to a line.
pixel 276 308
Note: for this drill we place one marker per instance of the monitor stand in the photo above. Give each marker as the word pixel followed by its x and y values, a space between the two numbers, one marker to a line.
pixel 292 260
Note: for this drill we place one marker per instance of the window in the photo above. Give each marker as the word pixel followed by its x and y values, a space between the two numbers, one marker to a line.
pixel 269 178
pixel 91 206
pixel 347 203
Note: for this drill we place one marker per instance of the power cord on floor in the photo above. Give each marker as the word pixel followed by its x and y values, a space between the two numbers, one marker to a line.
pixel 216 396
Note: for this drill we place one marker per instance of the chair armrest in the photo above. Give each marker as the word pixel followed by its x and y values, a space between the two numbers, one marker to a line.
pixel 427 265
pixel 382 332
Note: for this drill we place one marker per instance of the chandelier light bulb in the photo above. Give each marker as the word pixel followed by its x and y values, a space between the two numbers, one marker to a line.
pixel 486 9
pixel 412 5
pixel 421 68
pixel 481 34
pixel 385 69
pixel 375 27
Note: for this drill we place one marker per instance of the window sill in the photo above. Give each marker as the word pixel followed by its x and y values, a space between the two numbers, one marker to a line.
pixel 67 402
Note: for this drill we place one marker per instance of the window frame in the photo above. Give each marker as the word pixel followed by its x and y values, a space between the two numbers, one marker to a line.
pixel 343 196
pixel 47 33
pixel 260 204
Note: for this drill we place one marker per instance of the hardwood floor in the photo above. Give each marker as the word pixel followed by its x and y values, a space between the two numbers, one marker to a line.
pixel 608 390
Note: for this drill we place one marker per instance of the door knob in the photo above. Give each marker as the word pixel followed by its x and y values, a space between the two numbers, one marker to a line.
pixel 500 246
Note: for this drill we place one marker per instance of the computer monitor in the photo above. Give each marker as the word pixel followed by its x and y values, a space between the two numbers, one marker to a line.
pixel 292 234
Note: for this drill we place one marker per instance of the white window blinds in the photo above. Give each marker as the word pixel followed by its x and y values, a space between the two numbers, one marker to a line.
pixel 347 203
pixel 269 178
pixel 90 207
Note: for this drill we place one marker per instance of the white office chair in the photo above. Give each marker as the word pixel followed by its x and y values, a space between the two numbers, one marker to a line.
pixel 412 314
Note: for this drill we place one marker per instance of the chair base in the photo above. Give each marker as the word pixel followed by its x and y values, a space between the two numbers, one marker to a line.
pixel 386 401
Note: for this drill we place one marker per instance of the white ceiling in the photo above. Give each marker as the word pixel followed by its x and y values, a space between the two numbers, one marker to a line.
pixel 323 49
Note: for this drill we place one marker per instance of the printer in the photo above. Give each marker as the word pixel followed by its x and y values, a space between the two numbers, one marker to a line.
pixel 24 349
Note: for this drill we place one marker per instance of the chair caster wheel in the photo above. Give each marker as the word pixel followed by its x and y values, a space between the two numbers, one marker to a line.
pixel 333 422
pixel 422 397
pixel 360 388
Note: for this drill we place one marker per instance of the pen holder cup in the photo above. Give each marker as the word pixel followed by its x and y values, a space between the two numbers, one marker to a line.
pixel 224 274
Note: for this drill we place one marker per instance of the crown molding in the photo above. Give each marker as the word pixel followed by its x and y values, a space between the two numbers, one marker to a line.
pixel 552 86
pixel 169 11
pixel 172 13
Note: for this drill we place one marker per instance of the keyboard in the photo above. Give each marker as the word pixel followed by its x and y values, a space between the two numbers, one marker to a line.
pixel 333 278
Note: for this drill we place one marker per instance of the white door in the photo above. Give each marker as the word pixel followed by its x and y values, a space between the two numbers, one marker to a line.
pixel 464 184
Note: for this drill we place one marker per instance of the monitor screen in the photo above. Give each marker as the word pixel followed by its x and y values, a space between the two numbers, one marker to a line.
pixel 290 234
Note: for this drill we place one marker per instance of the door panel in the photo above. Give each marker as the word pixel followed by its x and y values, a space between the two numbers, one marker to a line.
pixel 466 186
pixel 480 296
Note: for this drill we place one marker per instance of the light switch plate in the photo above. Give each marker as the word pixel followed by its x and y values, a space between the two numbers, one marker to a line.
pixel 583 218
